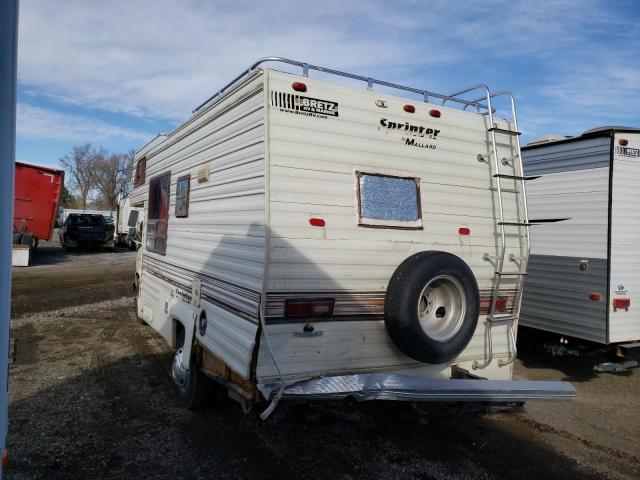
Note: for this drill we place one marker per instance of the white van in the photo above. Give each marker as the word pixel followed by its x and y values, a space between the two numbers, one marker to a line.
pixel 307 239
pixel 585 261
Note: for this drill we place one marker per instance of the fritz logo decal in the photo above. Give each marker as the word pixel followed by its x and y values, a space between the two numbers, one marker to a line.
pixel 298 104
pixel 412 135
pixel 628 152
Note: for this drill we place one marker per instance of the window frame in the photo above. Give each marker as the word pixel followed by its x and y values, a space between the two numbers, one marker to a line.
pixel 140 177
pixel 390 224
pixel 152 229
pixel 185 213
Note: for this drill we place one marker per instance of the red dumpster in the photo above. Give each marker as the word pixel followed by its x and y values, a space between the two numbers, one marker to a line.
pixel 37 192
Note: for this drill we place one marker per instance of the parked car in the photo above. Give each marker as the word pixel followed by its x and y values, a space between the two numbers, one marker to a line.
pixel 86 230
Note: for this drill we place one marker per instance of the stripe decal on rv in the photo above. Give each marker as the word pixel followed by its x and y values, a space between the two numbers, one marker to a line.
pixel 235 298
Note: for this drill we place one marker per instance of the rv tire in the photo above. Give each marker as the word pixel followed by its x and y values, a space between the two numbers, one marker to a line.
pixel 431 306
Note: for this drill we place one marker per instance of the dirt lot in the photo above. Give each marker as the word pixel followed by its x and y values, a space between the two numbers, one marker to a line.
pixel 91 398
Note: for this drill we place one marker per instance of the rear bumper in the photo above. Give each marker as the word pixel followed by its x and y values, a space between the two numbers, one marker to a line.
pixel 380 386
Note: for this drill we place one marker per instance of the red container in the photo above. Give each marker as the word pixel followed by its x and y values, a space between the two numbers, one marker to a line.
pixel 37 193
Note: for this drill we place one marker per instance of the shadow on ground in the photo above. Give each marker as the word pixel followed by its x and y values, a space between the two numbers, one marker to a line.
pixel 121 420
pixel 532 353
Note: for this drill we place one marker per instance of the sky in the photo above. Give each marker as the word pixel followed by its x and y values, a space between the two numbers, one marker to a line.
pixel 116 73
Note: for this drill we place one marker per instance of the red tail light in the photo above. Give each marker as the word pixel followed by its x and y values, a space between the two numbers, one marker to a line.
pixel 623 142
pixel 318 307
pixel 595 297
pixel 409 108
pixel 501 303
pixel 317 222
pixel 299 87
pixel 621 303
pixel 464 230
pixel 435 113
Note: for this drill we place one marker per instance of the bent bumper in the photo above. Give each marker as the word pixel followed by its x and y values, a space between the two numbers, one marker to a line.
pixel 381 386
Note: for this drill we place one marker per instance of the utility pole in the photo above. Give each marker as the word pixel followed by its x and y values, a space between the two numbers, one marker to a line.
pixel 8 61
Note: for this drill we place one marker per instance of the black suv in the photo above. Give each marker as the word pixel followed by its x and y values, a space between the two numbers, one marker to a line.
pixel 86 230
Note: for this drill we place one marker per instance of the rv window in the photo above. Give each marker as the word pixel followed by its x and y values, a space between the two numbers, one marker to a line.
pixel 389 201
pixel 141 170
pixel 158 213
pixel 182 196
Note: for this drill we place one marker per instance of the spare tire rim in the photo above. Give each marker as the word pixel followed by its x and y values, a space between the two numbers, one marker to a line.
pixel 442 307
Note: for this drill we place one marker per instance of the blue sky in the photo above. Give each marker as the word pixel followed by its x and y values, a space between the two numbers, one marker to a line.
pixel 115 73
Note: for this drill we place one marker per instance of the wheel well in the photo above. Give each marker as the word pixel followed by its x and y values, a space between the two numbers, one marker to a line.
pixel 177 329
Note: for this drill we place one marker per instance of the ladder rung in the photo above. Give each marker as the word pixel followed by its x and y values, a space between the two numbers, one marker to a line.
pixel 515 224
pixel 505 190
pixel 504 131
pixel 511 274
pixel 501 319
pixel 514 177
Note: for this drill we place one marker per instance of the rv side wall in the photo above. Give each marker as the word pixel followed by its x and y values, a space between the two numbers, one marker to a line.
pixel 624 323
pixel 221 240
pixel 568 258
pixel 314 160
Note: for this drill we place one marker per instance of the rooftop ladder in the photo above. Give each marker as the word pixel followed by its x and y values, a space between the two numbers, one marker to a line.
pixel 502 226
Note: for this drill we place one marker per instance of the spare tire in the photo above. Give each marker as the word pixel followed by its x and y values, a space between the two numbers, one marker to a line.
pixel 431 306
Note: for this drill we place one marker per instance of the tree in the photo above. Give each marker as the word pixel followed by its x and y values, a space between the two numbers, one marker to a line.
pixel 112 175
pixel 80 164
pixel 67 200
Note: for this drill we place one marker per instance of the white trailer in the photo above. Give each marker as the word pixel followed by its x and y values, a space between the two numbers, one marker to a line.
pixel 306 239
pixel 128 222
pixel 584 268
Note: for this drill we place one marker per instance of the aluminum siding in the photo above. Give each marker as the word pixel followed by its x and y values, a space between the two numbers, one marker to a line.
pixel 564 157
pixel 312 167
pixel 222 241
pixel 556 296
pixel 582 196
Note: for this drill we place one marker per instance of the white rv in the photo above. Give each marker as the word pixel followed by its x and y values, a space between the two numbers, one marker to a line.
pixel 128 220
pixel 305 239
pixel 584 269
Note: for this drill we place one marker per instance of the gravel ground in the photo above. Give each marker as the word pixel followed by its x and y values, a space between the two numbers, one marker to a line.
pixel 90 397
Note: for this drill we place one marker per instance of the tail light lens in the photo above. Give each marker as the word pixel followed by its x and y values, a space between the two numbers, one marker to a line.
pixel 501 303
pixel 621 303
pixel 316 307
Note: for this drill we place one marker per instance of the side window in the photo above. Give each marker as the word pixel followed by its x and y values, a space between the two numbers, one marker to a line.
pixel 158 213
pixel 386 201
pixel 182 196
pixel 141 170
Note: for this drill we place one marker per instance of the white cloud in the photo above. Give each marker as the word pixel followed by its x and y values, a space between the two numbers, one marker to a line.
pixel 41 123
pixel 162 58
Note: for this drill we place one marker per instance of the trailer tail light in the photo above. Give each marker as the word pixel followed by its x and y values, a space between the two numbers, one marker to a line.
pixel 409 108
pixel 621 303
pixel 596 297
pixel 317 222
pixel 464 231
pixel 623 142
pixel 316 307
pixel 299 86
pixel 435 113
pixel 501 303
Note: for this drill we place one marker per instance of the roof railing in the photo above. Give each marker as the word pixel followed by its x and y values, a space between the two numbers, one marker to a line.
pixel 455 97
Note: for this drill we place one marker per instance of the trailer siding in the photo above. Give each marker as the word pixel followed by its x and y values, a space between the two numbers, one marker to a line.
pixel 565 157
pixel 312 174
pixel 222 240
pixel 556 296
pixel 581 197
